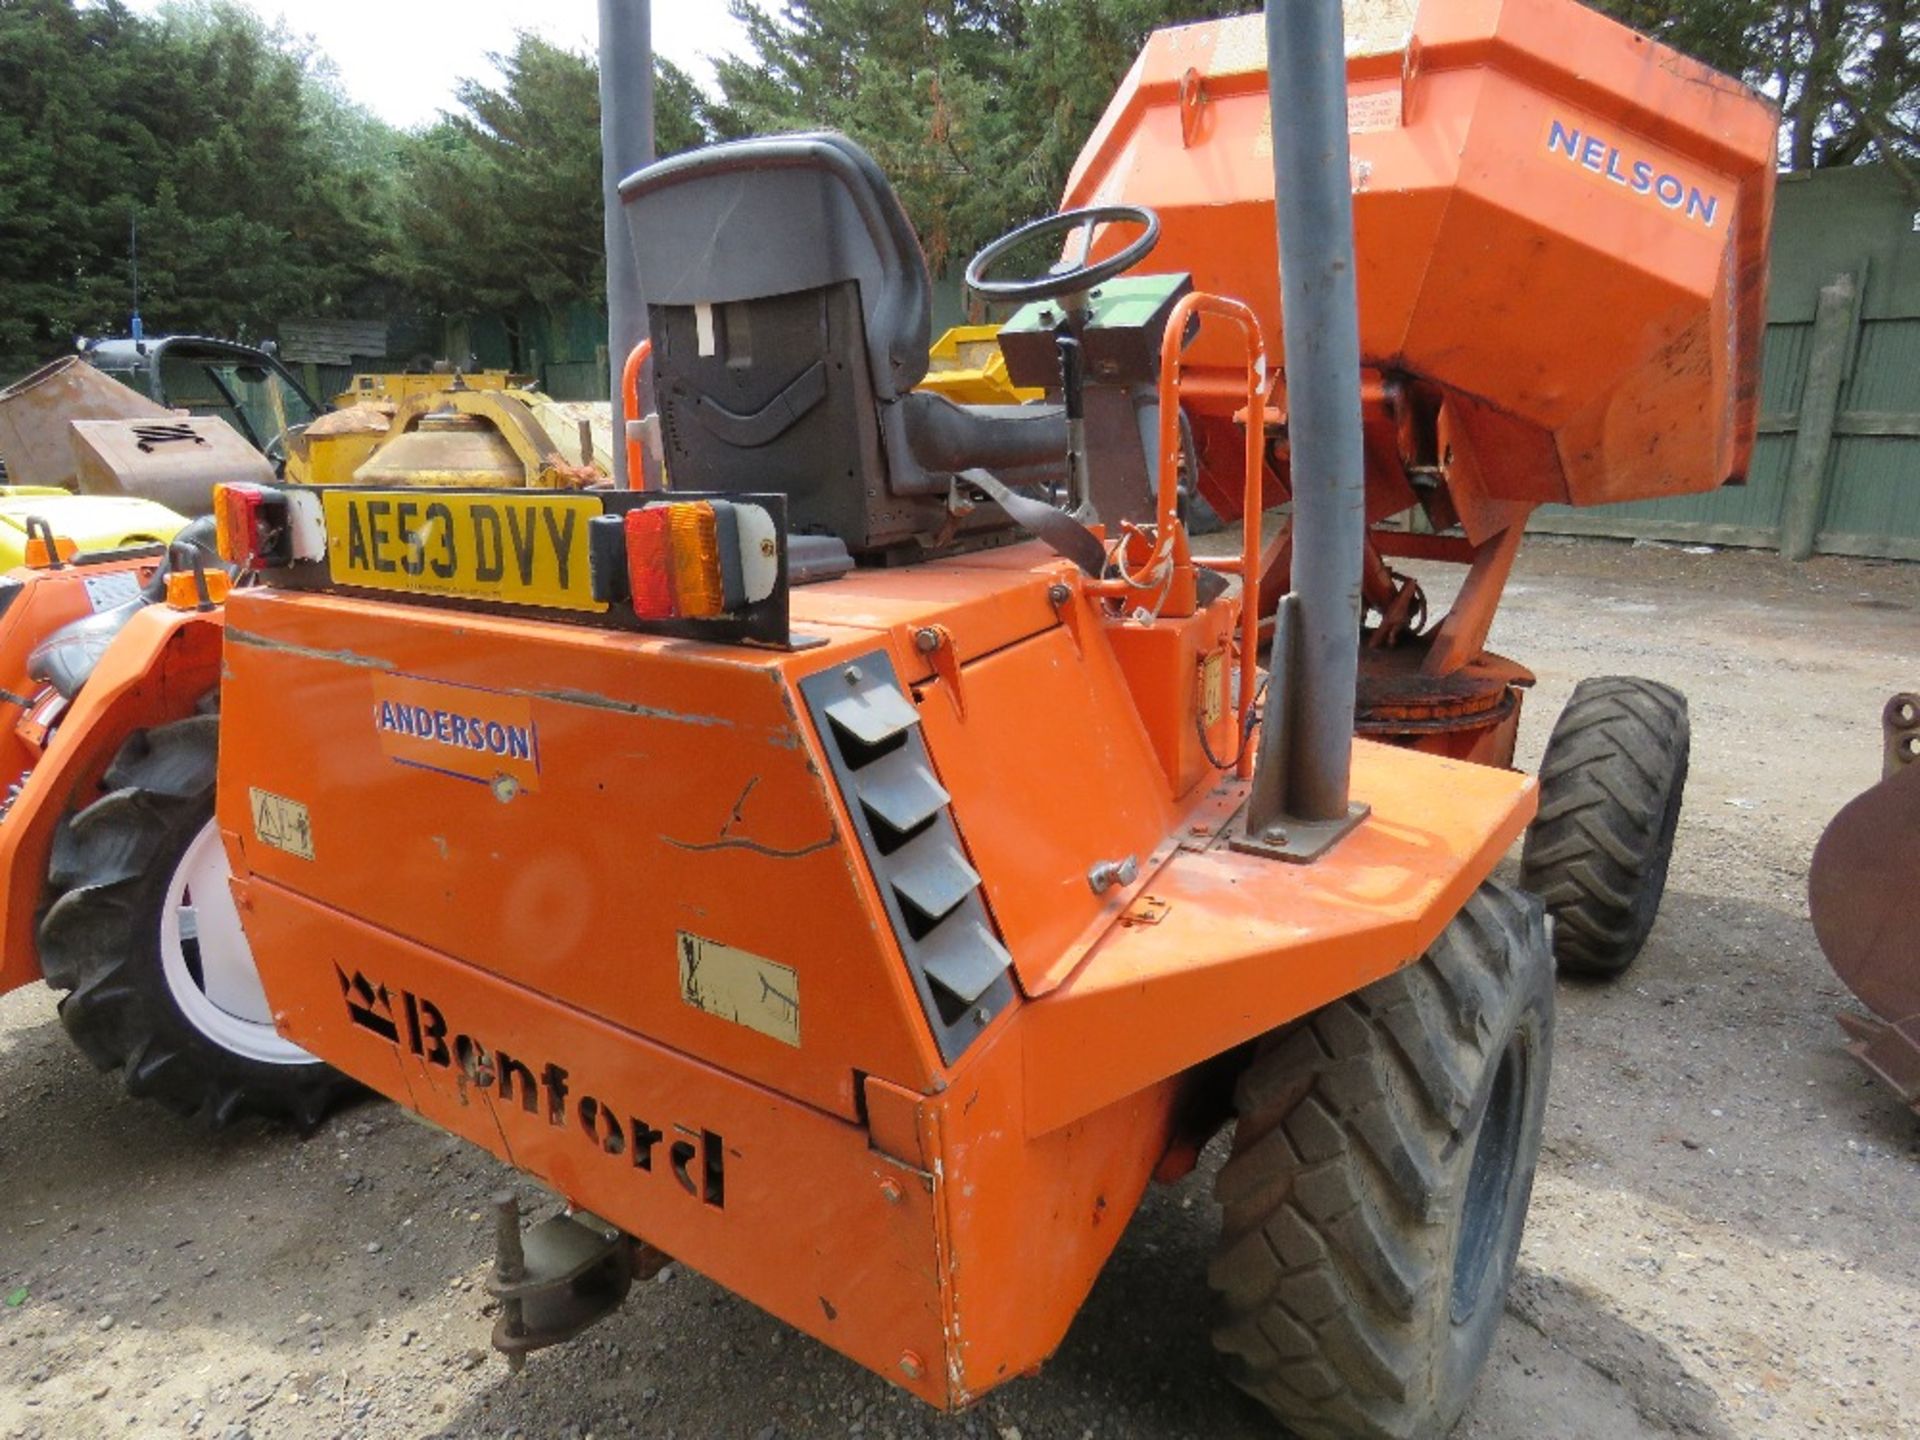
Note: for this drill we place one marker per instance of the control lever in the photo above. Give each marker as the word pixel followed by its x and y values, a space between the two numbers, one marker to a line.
pixel 1073 390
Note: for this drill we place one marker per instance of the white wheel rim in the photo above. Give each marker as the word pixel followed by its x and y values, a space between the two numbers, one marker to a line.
pixel 208 964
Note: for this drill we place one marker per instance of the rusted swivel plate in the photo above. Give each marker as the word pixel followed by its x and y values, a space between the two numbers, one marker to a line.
pixel 558 1278
pixel 1860 890
pixel 1397 697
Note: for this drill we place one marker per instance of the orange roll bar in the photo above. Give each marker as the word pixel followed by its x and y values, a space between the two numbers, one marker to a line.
pixel 1166 513
pixel 629 409
pixel 1247 564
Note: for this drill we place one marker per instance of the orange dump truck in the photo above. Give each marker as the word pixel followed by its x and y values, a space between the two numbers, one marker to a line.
pixel 858 876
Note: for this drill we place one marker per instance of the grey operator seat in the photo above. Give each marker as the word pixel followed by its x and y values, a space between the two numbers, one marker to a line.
pixel 790 312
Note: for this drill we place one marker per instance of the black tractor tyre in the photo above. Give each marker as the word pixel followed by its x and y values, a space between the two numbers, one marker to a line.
pixel 109 882
pixel 1382 1162
pixel 1610 791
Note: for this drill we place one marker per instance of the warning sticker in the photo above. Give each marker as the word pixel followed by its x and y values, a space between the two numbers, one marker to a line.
pixel 1366 113
pixel 282 823
pixel 760 994
pixel 1213 688
pixel 1379 111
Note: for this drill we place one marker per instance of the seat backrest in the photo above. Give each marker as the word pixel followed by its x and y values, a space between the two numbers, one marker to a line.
pixel 752 219
pixel 790 308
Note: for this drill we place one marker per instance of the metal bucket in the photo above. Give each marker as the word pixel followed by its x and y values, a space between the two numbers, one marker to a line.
pixel 36 440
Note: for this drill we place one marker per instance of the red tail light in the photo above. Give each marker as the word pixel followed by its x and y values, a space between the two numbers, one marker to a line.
pixel 650 562
pixel 250 526
pixel 686 559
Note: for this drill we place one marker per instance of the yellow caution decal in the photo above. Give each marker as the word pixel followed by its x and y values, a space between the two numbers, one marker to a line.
pixel 760 994
pixel 281 823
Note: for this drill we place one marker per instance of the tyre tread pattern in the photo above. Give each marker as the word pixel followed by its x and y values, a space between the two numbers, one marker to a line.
pixel 1610 792
pixel 1344 1172
pixel 95 943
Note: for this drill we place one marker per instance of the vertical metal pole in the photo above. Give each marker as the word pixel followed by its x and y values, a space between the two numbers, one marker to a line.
pixel 1267 808
pixel 509 1266
pixel 626 145
pixel 1313 202
pixel 139 331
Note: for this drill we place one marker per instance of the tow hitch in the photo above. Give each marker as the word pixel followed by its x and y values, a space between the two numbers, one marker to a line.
pixel 559 1277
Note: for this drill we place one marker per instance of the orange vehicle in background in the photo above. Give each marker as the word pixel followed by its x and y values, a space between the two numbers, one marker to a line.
pixel 113 881
pixel 858 875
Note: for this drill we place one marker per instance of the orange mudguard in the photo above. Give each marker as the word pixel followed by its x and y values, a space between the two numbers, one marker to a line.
pixel 156 670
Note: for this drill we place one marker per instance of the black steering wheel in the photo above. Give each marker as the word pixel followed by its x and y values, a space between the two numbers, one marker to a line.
pixel 1067 276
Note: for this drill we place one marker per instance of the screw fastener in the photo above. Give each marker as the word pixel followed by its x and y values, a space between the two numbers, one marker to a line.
pixel 1109 873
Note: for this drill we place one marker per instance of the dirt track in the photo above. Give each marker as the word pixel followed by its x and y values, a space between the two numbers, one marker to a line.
pixel 1725 1238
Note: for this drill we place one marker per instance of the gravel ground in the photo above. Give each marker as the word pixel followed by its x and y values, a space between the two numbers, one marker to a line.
pixel 1723 1239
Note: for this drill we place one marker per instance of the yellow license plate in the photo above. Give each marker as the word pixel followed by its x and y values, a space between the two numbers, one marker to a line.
pixel 510 549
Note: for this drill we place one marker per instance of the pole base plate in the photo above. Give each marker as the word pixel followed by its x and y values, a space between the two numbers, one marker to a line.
pixel 1299 841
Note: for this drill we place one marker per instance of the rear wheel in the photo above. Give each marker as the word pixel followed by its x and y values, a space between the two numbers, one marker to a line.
pixel 1381 1168
pixel 142 933
pixel 1610 790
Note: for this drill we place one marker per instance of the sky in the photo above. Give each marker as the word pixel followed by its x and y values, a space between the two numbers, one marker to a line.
pixel 401 60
